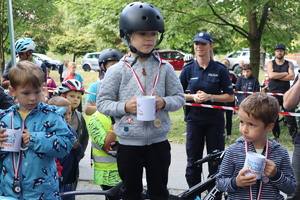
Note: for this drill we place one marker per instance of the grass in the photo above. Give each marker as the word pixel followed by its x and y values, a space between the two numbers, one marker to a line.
pixel 177 131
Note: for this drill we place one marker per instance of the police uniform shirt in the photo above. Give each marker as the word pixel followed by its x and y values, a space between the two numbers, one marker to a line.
pixel 214 79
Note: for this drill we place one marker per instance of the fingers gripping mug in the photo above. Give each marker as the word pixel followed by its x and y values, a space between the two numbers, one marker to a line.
pixel 14 141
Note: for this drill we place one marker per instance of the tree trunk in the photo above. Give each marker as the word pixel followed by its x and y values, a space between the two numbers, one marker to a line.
pixel 254 39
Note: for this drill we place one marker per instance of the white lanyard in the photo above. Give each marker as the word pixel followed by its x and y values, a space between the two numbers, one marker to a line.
pixel 261 182
pixel 138 79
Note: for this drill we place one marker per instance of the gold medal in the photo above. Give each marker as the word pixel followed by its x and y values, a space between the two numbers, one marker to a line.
pixel 157 123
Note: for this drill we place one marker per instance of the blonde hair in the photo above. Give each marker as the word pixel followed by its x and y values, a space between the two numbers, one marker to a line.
pixel 262 107
pixel 59 101
pixel 26 73
pixel 71 64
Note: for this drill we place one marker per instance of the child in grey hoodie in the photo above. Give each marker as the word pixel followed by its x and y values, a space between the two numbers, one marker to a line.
pixel 141 73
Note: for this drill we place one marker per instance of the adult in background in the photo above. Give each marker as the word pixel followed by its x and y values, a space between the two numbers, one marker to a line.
pixel 24 49
pixel 239 68
pixel 281 72
pixel 63 70
pixel 290 100
pixel 228 113
pixel 210 84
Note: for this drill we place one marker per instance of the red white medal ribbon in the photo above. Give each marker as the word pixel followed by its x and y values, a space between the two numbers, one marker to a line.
pixel 138 79
pixel 16 167
pixel 261 182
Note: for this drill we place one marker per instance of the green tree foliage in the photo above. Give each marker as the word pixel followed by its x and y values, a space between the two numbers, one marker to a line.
pixel 32 18
pixel 73 44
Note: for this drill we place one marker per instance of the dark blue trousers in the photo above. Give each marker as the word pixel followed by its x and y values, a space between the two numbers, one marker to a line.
pixel 198 134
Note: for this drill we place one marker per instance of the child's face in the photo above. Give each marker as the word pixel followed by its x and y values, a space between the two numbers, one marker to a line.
pixel 247 73
pixel 74 97
pixel 28 97
pixel 253 130
pixel 68 114
pixel 72 69
pixel 144 41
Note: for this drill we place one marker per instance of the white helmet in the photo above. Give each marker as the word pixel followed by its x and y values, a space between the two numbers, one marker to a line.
pixel 24 44
pixel 188 58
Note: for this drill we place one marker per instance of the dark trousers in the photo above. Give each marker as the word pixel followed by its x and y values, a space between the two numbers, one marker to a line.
pixel 155 158
pixel 228 114
pixel 198 134
pixel 296 167
pixel 291 121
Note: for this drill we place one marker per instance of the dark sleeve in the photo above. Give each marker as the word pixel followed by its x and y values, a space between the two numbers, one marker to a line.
pixel 84 137
pixel 44 68
pixel 234 79
pixel 5 100
pixel 184 78
pixel 60 69
pixel 7 67
pixel 256 87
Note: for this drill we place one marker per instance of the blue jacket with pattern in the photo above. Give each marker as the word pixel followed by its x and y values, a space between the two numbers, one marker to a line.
pixel 49 138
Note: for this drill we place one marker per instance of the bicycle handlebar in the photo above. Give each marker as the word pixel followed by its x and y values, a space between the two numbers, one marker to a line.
pixel 210 157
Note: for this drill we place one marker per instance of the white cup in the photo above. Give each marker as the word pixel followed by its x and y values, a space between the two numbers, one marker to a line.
pixel 145 108
pixel 255 163
pixel 14 141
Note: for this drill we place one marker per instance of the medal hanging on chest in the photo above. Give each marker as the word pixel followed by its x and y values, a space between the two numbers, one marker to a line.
pixel 16 187
pixel 157 123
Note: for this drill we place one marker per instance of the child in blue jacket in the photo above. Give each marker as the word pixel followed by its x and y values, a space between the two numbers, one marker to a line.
pixel 32 173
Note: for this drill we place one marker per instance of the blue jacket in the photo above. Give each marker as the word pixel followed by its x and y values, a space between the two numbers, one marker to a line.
pixel 49 138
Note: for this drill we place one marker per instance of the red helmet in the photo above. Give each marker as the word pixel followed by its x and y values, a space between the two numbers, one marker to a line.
pixel 70 85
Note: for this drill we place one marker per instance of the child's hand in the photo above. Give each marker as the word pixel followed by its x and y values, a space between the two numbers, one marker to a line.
pixel 130 106
pixel 75 145
pixel 160 103
pixel 243 180
pixel 3 137
pixel 270 169
pixel 26 137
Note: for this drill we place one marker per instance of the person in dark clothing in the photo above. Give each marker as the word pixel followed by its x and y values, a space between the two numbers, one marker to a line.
pixel 63 70
pixel 246 83
pixel 209 83
pixel 5 99
pixel 281 72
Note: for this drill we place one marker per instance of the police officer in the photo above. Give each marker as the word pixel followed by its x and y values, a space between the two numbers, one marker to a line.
pixel 209 84
pixel 281 72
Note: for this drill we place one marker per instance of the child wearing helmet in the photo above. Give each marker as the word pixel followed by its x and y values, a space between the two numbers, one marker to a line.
pixel 73 90
pixel 106 59
pixel 143 144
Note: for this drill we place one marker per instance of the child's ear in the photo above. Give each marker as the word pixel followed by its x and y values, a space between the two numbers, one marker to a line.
pixel 12 91
pixel 270 127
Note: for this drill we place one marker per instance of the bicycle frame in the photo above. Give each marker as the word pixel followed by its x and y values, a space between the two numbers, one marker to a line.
pixel 186 195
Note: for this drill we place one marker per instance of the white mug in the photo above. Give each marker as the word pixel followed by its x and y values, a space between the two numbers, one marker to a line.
pixel 146 108
pixel 255 163
pixel 14 141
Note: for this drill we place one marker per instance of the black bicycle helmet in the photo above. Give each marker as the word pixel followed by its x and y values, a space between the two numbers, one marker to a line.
pixel 139 16
pixel 109 55
pixel 279 46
